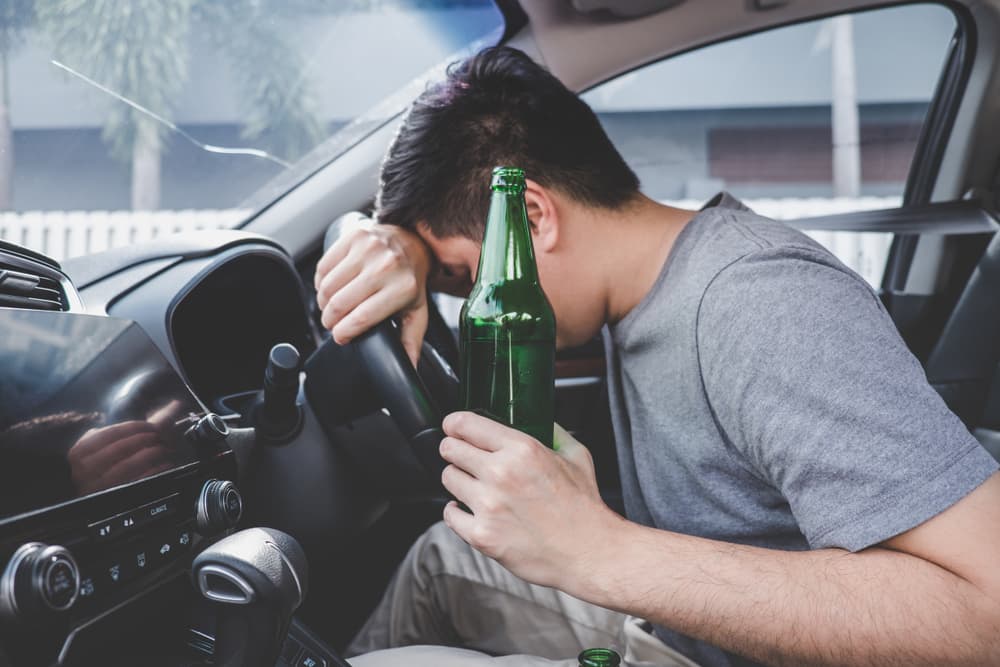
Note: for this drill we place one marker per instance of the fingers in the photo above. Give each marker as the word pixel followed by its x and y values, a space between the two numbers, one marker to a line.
pixel 334 255
pixel 459 521
pixel 467 457
pixel 481 431
pixel 166 415
pixel 139 464
pixel 373 310
pixel 413 328
pixel 96 439
pixel 100 467
pixel 462 485
pixel 348 298
pixel 342 273
pixel 98 459
pixel 372 274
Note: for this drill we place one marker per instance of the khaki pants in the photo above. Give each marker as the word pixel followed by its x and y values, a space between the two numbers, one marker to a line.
pixel 447 595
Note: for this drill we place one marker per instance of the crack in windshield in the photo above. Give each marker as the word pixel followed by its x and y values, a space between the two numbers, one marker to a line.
pixel 210 148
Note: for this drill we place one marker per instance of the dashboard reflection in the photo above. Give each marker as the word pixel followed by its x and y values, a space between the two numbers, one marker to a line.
pixel 87 403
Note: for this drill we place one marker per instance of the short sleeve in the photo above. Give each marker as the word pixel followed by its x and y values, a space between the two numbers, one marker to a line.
pixel 809 379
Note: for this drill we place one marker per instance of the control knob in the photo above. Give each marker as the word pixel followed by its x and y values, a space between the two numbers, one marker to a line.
pixel 220 506
pixel 38 578
pixel 208 430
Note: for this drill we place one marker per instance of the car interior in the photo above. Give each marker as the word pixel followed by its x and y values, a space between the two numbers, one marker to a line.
pixel 292 474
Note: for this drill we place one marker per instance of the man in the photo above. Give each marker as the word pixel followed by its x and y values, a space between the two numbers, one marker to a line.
pixel 796 492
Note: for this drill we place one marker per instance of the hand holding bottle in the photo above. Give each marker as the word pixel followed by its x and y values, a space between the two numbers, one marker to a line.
pixel 535 510
pixel 370 273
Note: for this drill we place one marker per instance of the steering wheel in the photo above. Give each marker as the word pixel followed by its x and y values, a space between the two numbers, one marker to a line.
pixel 403 390
pixel 417 399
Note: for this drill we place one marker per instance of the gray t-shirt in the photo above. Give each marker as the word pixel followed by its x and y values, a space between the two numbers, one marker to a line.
pixel 760 394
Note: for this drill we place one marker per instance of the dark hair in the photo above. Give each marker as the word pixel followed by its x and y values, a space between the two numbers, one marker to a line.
pixel 496 108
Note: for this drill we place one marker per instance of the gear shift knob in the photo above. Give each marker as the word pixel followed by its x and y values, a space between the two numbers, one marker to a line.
pixel 257 577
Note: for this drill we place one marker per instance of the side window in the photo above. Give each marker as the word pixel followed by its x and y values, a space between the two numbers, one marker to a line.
pixel 811 119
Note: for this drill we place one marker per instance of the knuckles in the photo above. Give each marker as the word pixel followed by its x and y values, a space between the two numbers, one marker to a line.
pixel 352 236
pixel 372 244
pixel 505 475
pixel 490 504
pixel 409 284
pixel 483 538
pixel 385 261
pixel 524 450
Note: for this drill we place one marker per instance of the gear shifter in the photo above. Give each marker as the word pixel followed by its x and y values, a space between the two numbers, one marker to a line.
pixel 257 578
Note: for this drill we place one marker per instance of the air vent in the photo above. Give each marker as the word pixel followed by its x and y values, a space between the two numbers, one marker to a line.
pixel 23 289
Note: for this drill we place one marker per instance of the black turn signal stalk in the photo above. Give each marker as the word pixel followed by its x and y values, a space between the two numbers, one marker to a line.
pixel 277 415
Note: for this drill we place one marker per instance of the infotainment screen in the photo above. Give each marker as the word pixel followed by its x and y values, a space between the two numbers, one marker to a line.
pixel 86 403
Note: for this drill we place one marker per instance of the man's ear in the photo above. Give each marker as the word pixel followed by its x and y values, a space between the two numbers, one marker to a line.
pixel 543 213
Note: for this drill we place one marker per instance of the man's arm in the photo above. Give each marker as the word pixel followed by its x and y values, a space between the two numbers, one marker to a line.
pixel 928 597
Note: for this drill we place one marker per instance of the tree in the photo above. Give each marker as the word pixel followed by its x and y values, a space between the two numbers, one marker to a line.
pixel 139 48
pixel 15 17
pixel 282 110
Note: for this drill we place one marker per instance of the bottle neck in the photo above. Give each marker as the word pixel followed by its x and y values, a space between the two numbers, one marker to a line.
pixel 507 253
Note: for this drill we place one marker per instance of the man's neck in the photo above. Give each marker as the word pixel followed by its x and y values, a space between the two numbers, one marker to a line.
pixel 636 246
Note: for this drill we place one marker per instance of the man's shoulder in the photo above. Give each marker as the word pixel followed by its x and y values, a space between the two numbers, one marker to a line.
pixel 750 231
pixel 731 235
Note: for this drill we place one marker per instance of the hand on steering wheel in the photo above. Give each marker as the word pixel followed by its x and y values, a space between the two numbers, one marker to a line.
pixel 367 274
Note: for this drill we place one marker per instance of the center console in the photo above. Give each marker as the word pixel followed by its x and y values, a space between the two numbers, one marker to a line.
pixel 112 475
pixel 120 498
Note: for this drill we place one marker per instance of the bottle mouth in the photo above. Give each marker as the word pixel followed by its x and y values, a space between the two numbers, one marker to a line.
pixel 508 179
pixel 599 657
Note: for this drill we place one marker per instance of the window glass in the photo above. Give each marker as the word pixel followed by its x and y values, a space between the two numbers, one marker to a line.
pixel 805 120
pixel 118 119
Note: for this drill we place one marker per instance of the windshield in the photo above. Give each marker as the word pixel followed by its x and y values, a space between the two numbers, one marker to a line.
pixel 126 120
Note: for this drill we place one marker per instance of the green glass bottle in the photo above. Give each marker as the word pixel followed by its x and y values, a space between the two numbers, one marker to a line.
pixel 507 327
pixel 599 657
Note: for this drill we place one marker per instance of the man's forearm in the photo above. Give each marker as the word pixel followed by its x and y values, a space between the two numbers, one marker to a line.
pixel 824 607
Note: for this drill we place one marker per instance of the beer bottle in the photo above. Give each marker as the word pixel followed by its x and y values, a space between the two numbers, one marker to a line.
pixel 599 657
pixel 507 327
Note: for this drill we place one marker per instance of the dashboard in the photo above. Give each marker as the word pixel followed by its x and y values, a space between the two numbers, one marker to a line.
pixel 117 468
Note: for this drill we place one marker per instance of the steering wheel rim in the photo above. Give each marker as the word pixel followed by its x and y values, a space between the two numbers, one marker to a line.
pixel 403 393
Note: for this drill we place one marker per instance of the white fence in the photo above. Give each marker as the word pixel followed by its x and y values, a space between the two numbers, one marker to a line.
pixel 65 234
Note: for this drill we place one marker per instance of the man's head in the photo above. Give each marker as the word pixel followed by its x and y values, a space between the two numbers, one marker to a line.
pixel 499 107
